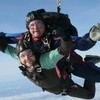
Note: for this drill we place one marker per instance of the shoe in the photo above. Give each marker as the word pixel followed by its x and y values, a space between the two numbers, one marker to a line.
pixel 94 33
pixel 92 58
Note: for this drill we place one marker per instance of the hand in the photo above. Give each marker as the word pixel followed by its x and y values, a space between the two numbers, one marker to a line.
pixel 94 33
pixel 3 43
pixel 59 32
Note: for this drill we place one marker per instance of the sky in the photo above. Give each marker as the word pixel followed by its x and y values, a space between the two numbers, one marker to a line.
pixel 83 14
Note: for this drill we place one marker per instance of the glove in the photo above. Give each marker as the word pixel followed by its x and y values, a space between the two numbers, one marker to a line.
pixel 59 32
pixel 65 48
pixel 3 43
pixel 94 33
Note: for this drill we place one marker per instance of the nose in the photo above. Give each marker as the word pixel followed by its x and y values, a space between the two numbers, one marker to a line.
pixel 26 57
pixel 35 26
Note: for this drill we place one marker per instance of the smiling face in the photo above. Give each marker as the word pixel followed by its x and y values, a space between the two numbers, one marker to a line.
pixel 36 28
pixel 27 58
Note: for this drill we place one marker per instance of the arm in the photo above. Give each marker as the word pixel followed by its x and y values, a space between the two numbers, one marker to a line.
pixel 48 60
pixel 84 43
pixel 11 51
pixel 8 49
pixel 90 39
pixel 12 38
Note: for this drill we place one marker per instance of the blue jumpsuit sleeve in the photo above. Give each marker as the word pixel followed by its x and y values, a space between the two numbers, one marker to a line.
pixel 83 43
pixel 12 38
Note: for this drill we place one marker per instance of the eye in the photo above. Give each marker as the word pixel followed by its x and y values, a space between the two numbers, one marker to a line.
pixel 22 56
pixel 30 54
pixel 31 25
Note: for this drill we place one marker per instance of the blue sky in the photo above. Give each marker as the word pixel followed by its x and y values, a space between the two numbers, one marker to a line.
pixel 83 14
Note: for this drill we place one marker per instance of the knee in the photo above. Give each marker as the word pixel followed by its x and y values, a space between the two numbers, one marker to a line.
pixel 91 96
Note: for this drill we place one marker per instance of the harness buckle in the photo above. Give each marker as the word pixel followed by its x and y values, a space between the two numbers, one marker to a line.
pixel 46 43
pixel 64 92
pixel 39 70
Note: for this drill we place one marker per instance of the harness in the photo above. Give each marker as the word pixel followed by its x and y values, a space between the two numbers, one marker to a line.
pixel 56 80
pixel 41 46
pixel 53 21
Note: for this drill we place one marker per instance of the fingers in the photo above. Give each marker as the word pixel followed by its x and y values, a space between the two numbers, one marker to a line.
pixel 93 28
pixel 98 25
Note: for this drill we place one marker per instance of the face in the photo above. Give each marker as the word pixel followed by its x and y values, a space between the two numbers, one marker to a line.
pixel 27 58
pixel 36 28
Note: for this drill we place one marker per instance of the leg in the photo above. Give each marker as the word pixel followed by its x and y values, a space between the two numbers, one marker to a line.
pixel 92 58
pixel 87 70
pixel 86 92
pixel 90 86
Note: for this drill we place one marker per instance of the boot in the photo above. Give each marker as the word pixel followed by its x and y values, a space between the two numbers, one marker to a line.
pixel 92 58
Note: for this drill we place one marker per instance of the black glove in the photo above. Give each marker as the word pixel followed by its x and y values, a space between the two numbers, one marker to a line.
pixel 58 31
pixel 3 42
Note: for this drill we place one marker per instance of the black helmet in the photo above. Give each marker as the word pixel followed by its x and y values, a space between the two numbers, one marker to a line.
pixel 33 15
pixel 23 45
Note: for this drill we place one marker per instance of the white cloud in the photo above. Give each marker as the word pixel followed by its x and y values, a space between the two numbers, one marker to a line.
pixel 38 96
pixel 47 96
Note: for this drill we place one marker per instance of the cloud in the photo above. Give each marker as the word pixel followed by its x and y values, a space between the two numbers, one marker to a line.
pixel 38 96
pixel 47 96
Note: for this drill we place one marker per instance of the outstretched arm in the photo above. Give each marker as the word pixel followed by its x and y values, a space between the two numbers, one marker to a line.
pixel 12 38
pixel 8 49
pixel 11 51
pixel 89 40
pixel 84 43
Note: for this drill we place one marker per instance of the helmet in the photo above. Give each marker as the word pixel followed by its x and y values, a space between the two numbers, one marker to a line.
pixel 23 45
pixel 34 15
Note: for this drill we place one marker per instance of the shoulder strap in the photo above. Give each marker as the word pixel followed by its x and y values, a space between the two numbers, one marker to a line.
pixel 27 36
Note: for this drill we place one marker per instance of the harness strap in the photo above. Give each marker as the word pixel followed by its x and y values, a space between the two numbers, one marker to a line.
pixel 58 72
pixel 64 75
